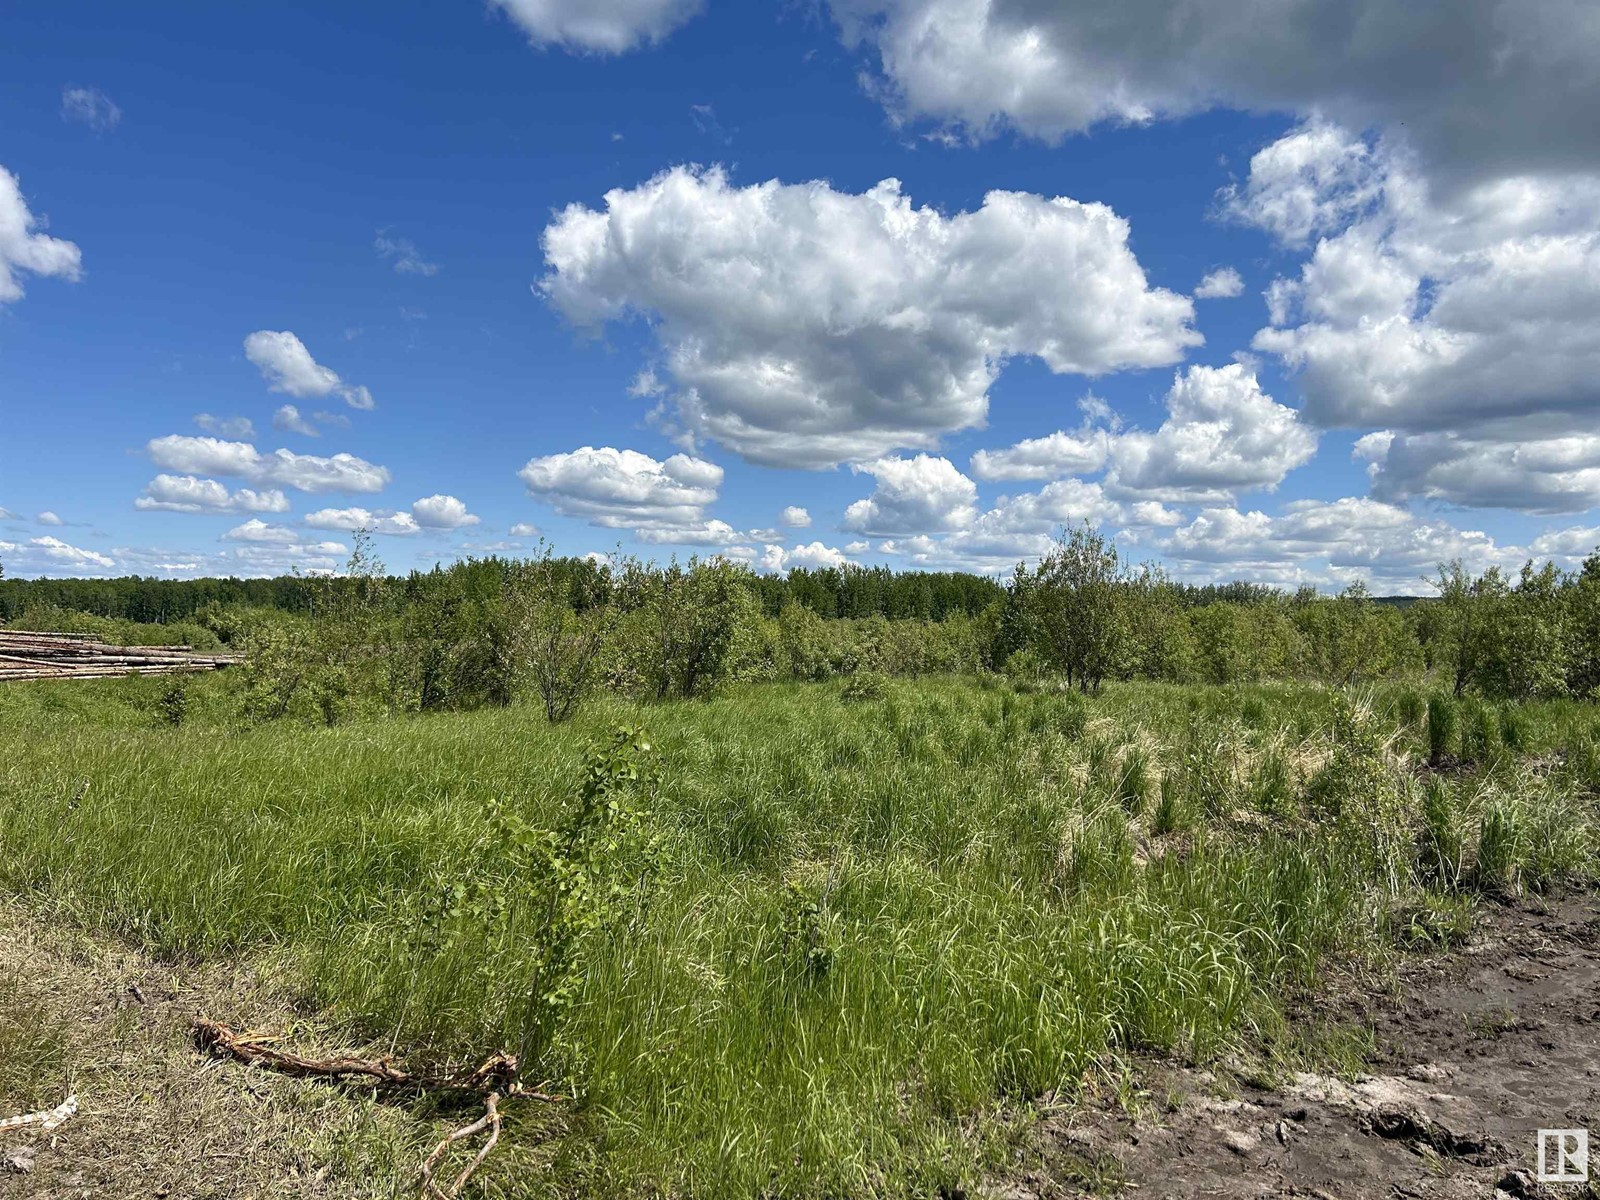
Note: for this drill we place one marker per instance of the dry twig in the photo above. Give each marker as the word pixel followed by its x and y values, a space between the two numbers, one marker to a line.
pixel 491 1121
pixel 46 1119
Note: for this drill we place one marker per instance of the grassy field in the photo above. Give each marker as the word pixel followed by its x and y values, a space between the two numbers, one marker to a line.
pixel 840 940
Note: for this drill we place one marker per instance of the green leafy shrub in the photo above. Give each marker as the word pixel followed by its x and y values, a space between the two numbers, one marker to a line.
pixel 863 687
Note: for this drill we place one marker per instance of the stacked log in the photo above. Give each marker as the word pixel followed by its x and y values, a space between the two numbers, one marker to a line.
pixel 28 655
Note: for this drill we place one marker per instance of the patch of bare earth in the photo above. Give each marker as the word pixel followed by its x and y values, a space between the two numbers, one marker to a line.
pixel 1475 1052
pixel 156 1118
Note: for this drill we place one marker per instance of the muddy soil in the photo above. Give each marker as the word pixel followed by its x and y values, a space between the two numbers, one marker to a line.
pixel 1474 1053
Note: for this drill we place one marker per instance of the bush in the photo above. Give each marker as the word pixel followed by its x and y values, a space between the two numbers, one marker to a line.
pixel 864 686
pixel 175 703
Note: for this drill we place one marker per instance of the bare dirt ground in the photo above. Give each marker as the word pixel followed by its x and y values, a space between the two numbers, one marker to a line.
pixel 1474 1052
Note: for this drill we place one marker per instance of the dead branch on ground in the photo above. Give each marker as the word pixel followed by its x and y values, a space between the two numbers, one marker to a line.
pixel 495 1079
pixel 491 1121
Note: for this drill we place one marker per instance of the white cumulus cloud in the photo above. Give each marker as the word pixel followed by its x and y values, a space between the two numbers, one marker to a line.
pixel 1222 284
pixel 807 327
pixel 348 520
pixel 913 495
pixel 599 26
pixel 1477 86
pixel 1222 435
pixel 188 494
pixel 288 367
pixel 624 489
pixel 442 512
pixel 280 468
pixel 813 555
pixel 24 249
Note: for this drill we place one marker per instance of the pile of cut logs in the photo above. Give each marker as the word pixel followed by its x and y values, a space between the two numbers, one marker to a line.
pixel 25 655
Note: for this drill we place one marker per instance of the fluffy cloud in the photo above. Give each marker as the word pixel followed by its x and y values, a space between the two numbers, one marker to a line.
pixel 23 248
pixel 1313 180
pixel 1543 475
pixel 808 327
pixel 403 255
pixel 1567 546
pixel 623 489
pixel 90 106
pixel 795 517
pixel 1020 527
pixel 348 520
pixel 1222 284
pixel 51 556
pixel 1048 457
pixel 524 529
pixel 49 518
pixel 914 495
pixel 1223 434
pixel 288 367
pixel 442 512
pixel 257 530
pixel 1316 541
pixel 435 513
pixel 604 26
pixel 187 494
pixel 1463 323
pixel 289 420
pixel 1478 86
pixel 815 555
pixel 281 468
pixel 706 533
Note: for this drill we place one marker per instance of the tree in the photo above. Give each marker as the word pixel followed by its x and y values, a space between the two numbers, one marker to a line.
pixel 689 623
pixel 1079 594
pixel 1583 630
pixel 560 623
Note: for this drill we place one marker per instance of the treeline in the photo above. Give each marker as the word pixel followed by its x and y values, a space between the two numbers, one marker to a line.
pixel 557 630
pixel 847 591
pixel 1086 614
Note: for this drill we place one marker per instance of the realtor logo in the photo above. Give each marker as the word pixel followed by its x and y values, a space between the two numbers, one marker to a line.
pixel 1563 1156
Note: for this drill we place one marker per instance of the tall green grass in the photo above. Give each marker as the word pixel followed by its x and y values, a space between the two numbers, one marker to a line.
pixel 871 931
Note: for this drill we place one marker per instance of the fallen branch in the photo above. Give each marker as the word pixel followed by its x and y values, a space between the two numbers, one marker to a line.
pixel 494 1079
pixel 253 1050
pixel 497 1073
pixel 491 1121
pixel 46 1119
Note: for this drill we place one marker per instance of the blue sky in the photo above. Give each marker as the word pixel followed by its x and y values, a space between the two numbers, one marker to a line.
pixel 407 206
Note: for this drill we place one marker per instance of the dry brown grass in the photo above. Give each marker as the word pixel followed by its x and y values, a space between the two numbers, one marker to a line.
pixel 155 1118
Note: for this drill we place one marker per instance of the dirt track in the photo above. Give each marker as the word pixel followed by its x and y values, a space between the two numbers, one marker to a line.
pixel 1475 1052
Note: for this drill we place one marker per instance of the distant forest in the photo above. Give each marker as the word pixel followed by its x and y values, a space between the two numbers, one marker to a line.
pixel 848 591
